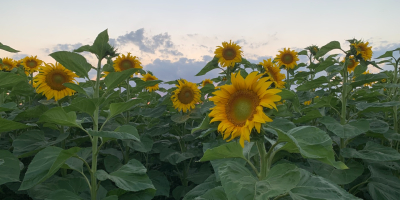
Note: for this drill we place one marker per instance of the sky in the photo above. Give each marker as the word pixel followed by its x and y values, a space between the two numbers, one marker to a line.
pixel 175 39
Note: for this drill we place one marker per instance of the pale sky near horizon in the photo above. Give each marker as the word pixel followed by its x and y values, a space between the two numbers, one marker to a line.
pixel 175 39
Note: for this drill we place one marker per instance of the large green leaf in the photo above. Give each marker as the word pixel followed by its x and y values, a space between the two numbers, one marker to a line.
pixel 63 194
pixel 228 150
pixel 160 182
pixel 213 64
pixel 214 193
pixel 118 108
pixel 73 61
pixel 349 130
pixel 311 142
pixel 82 104
pixel 144 145
pixel 202 188
pixel 368 78
pixel 338 176
pixel 383 184
pixel 100 45
pixel 318 188
pixel 146 194
pixel 125 132
pixel 8 106
pixel 76 87
pixel 9 167
pixel 7 48
pixel 239 183
pixel 9 80
pixel 377 107
pixel 31 113
pixel 313 114
pixel 8 125
pixel 386 54
pixel 372 151
pixel 57 115
pixel 174 157
pixel 113 79
pixel 282 124
pixel 131 177
pixel 328 47
pixel 316 83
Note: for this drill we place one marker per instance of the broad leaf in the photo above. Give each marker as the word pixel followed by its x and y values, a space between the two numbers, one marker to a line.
pixel 328 47
pixel 57 115
pixel 81 104
pixel 73 61
pixel 372 151
pixel 100 45
pixel 7 48
pixel 125 132
pixel 8 125
pixel 368 78
pixel 160 182
pixel 213 64
pixel 113 79
pixel 228 150
pixel 338 176
pixel 118 108
pixel 76 87
pixel 316 83
pixel 202 188
pixel 9 80
pixel 349 130
pixel 9 167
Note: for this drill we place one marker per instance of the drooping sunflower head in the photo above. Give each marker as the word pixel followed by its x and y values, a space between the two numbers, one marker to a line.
pixel 274 73
pixel 363 49
pixel 352 64
pixel 31 64
pixel 287 58
pixel 149 77
pixel 239 107
pixel 186 96
pixel 205 82
pixel 8 64
pixel 127 62
pixel 228 54
pixel 50 81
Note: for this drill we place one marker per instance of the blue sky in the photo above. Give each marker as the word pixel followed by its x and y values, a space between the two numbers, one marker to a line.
pixel 175 39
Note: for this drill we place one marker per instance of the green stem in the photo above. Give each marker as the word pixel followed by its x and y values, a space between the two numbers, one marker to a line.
pixel 63 171
pixel 127 99
pixel 263 158
pixel 344 103
pixel 287 79
pixel 356 186
pixel 253 167
pixel 395 121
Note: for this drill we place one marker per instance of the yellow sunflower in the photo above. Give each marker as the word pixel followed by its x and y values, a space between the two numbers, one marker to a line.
pixel 352 64
pixel 273 72
pixel 50 81
pixel 31 64
pixel 127 62
pixel 205 82
pixel 384 80
pixel 307 102
pixel 363 49
pixel 186 96
pixel 228 54
pixel 149 77
pixel 8 64
pixel 287 58
pixel 239 107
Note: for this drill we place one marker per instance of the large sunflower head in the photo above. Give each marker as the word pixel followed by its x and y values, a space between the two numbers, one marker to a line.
pixel 239 107
pixel 50 81
pixel 363 49
pixel 149 77
pixel 274 73
pixel 352 64
pixel 228 54
pixel 287 58
pixel 127 62
pixel 8 64
pixel 31 64
pixel 186 96
pixel 205 82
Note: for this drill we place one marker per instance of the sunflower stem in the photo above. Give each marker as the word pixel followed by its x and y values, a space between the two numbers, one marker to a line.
pixel 395 121
pixel 127 99
pixel 263 158
pixel 287 78
pixel 63 170
pixel 344 102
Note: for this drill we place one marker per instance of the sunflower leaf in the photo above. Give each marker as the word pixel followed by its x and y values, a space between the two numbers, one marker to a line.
pixel 386 54
pixel 7 48
pixel 113 79
pixel 117 108
pixel 328 47
pixel 213 64
pixel 9 125
pixel 368 78
pixel 9 80
pixel 57 115
pixel 73 61
pixel 10 165
pixel 76 87
pixel 228 150
pixel 100 45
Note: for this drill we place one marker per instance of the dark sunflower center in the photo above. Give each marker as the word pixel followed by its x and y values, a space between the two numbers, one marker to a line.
pixel 126 64
pixel 241 107
pixel 186 95
pixel 229 54
pixel 287 59
pixel 32 64
pixel 56 79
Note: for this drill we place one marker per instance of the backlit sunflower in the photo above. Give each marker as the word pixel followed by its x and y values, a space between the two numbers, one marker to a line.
pixel 228 54
pixel 186 96
pixel 8 64
pixel 127 62
pixel 31 64
pixel 50 81
pixel 352 64
pixel 205 82
pixel 239 107
pixel 307 102
pixel 273 72
pixel 363 49
pixel 149 77
pixel 287 58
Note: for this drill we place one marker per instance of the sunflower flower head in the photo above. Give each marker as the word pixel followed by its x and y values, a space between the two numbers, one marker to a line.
pixel 149 77
pixel 50 81
pixel 205 82
pixel 287 58
pixel 123 62
pixel 185 97
pixel 352 64
pixel 384 80
pixel 363 49
pixel 228 54
pixel 8 64
pixel 31 64
pixel 239 107
pixel 274 73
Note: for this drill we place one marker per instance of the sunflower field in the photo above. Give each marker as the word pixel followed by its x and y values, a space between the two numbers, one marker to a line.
pixel 257 131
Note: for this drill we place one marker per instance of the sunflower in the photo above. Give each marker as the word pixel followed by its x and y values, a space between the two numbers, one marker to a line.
pixel 127 62
pixel 186 96
pixel 50 81
pixel 308 102
pixel 31 64
pixel 384 80
pixel 8 64
pixel 352 64
pixel 205 82
pixel 149 77
pixel 228 54
pixel 287 58
pixel 273 72
pixel 363 49
pixel 239 106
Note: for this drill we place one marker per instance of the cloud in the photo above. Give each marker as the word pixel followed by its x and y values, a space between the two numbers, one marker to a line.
pixel 65 47
pixel 19 56
pixel 172 52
